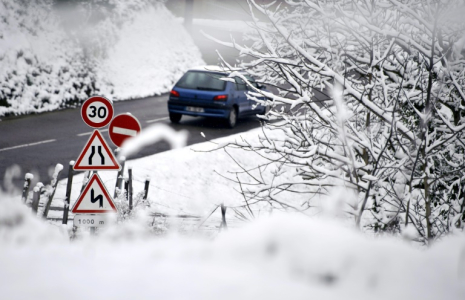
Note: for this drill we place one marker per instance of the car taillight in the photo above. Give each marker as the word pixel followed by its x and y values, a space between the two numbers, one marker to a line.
pixel 174 93
pixel 220 98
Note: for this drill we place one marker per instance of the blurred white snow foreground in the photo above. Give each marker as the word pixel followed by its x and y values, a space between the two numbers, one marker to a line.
pixel 278 257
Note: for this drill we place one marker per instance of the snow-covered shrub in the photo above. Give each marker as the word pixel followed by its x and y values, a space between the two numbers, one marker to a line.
pixel 137 221
pixel 135 224
pixel 282 257
pixel 55 54
pixel 19 226
pixel 122 204
pixel 126 224
pixel 396 136
pixel 41 68
pixel 323 252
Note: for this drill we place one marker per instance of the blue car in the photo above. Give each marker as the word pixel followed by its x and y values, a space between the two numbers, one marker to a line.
pixel 200 92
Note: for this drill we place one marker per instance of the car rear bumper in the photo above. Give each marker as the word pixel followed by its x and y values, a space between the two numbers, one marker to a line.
pixel 214 111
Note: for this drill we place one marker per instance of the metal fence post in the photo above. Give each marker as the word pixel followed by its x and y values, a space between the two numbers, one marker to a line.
pixel 146 188
pixel 36 197
pixel 27 184
pixel 130 188
pixel 119 178
pixel 68 192
pixel 223 217
pixel 126 187
pixel 52 194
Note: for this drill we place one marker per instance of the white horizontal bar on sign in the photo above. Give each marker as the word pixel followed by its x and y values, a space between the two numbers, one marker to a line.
pixel 124 131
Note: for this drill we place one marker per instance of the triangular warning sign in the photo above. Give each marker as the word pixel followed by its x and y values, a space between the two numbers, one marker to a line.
pixel 96 155
pixel 94 199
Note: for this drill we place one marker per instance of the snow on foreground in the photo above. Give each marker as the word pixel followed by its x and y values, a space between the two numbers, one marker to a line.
pixel 52 57
pixel 277 257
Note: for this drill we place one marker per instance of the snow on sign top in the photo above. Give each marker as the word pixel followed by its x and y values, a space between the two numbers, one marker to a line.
pixel 95 199
pixel 97 112
pixel 96 155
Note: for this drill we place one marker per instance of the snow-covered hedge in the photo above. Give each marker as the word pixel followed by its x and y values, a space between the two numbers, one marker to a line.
pixel 55 55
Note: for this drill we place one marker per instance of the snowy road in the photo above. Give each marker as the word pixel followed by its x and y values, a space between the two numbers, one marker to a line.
pixel 36 143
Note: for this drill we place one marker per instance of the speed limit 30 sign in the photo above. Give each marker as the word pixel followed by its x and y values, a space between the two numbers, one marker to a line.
pixel 97 112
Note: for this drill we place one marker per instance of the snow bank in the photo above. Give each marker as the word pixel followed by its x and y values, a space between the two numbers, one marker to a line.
pixel 53 57
pixel 19 227
pixel 324 253
pixel 40 69
pixel 281 257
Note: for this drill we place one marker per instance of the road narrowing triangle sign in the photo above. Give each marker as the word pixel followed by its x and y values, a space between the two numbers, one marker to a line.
pixel 96 155
pixel 95 199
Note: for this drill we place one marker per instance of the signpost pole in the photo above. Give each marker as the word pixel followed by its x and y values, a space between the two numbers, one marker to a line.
pixel 93 229
pixel 85 179
pixel 95 201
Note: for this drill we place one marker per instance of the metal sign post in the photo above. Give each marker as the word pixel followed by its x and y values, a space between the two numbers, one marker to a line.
pixel 95 201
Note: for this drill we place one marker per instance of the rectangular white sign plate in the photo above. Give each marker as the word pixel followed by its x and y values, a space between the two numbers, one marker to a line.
pixel 84 220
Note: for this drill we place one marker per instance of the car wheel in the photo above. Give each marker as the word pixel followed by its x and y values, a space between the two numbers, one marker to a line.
pixel 175 118
pixel 232 119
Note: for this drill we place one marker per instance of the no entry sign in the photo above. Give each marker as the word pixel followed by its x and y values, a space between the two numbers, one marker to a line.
pixel 97 112
pixel 123 127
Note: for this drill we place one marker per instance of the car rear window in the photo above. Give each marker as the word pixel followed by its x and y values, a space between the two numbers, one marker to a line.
pixel 202 81
pixel 242 86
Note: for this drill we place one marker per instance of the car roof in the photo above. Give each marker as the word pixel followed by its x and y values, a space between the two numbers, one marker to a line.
pixel 214 69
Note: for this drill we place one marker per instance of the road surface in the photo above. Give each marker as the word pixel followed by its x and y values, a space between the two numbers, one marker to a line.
pixel 36 143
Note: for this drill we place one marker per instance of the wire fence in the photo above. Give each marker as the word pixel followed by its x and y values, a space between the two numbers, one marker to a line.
pixel 46 195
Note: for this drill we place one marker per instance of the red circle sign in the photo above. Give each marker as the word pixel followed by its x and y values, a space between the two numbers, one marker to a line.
pixel 123 127
pixel 97 112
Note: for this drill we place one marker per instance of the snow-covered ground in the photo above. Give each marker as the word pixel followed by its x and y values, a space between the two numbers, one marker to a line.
pixel 190 180
pixel 276 256
pixel 52 57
